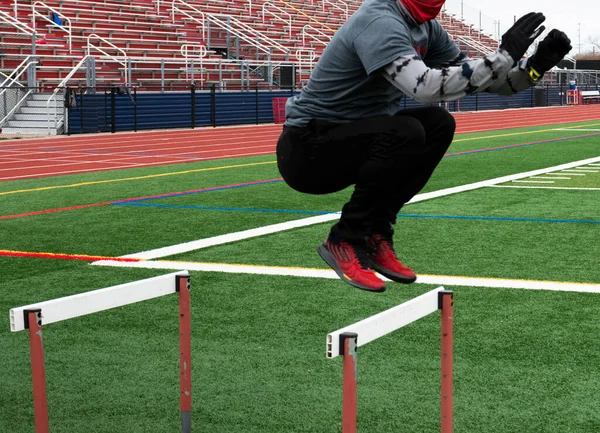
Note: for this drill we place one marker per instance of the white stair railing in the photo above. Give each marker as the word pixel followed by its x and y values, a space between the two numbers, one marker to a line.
pixel 277 16
pixel 305 57
pixel 122 60
pixel 19 71
pixel 336 5
pixel 21 27
pixel 475 44
pixel 246 33
pixel 12 79
pixel 325 38
pixel 66 22
pixel 189 11
pixel 61 86
pixel 191 52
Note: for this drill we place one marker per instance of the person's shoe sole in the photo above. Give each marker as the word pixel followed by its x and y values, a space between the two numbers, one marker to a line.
pixel 330 260
pixel 399 278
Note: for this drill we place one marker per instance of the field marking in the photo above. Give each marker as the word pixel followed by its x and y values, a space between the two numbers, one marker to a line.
pixel 534 181
pixel 81 184
pixel 581 170
pixel 574 129
pixel 545 187
pixel 571 173
pixel 304 222
pixel 548 177
pixel 125 179
pixel 594 165
pixel 445 280
pixel 510 134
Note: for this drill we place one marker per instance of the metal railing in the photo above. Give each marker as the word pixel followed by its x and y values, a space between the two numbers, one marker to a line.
pixel 187 13
pixel 246 33
pixel 61 86
pixel 14 22
pixel 305 56
pixel 65 28
pixel 336 5
pixel 4 105
pixel 12 80
pixel 187 51
pixel 475 44
pixel 124 62
pixel 288 20
pixel 305 34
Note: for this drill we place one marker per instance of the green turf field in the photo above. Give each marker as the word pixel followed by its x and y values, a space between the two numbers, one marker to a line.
pixel 525 360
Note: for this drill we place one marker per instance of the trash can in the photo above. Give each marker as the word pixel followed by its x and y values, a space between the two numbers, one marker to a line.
pixel 279 109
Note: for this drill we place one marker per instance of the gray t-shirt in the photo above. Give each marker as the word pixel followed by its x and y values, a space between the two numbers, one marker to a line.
pixel 344 86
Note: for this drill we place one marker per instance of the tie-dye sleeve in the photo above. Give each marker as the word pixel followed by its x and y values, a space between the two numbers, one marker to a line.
pixel 412 76
pixel 516 81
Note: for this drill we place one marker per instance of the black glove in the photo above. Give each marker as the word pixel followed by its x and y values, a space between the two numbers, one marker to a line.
pixel 550 51
pixel 521 35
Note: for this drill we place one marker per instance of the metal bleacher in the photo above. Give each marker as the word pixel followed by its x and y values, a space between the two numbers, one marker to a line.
pixel 154 41
pixel 158 45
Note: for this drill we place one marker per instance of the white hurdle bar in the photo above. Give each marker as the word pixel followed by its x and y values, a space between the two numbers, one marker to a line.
pixel 345 342
pixel 33 316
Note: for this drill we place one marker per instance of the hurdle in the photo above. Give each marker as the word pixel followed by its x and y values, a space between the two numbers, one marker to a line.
pixel 32 317
pixel 345 342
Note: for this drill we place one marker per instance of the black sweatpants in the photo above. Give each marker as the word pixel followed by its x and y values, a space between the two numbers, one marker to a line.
pixel 387 159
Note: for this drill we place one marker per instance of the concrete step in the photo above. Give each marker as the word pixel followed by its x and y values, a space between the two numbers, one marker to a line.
pixel 29 127
pixel 36 116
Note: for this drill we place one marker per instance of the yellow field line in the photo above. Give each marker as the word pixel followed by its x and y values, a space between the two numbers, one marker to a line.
pixel 176 173
pixel 125 179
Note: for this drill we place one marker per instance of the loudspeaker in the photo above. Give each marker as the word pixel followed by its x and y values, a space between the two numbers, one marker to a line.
pixel 287 75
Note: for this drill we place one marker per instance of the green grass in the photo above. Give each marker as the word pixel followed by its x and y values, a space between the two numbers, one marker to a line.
pixel 525 361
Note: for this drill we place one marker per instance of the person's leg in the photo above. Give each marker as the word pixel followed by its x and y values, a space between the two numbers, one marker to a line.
pixel 369 153
pixel 382 145
pixel 312 164
pixel 418 165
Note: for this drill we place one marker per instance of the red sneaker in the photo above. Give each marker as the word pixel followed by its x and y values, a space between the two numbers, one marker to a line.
pixel 384 261
pixel 350 262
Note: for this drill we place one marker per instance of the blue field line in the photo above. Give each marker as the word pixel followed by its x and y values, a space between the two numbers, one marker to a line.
pixel 313 212
pixel 486 218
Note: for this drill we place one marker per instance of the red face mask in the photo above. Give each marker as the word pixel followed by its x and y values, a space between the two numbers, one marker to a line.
pixel 423 10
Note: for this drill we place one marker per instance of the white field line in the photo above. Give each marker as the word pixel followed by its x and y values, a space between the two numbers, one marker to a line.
pixel 550 177
pixel 579 171
pixel 534 181
pixel 594 165
pixel 545 187
pixel 304 222
pixel 578 129
pixel 570 173
pixel 444 280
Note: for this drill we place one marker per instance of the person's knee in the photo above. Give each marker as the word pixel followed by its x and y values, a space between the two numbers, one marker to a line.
pixel 410 137
pixel 443 119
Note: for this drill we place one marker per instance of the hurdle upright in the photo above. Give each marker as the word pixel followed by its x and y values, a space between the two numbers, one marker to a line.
pixel 345 342
pixel 32 317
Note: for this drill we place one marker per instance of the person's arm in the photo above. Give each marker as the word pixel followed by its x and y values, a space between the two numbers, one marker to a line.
pixel 464 76
pixel 517 80
pixel 412 76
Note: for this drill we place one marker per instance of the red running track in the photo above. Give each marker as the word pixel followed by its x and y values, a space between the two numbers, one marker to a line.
pixel 61 155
